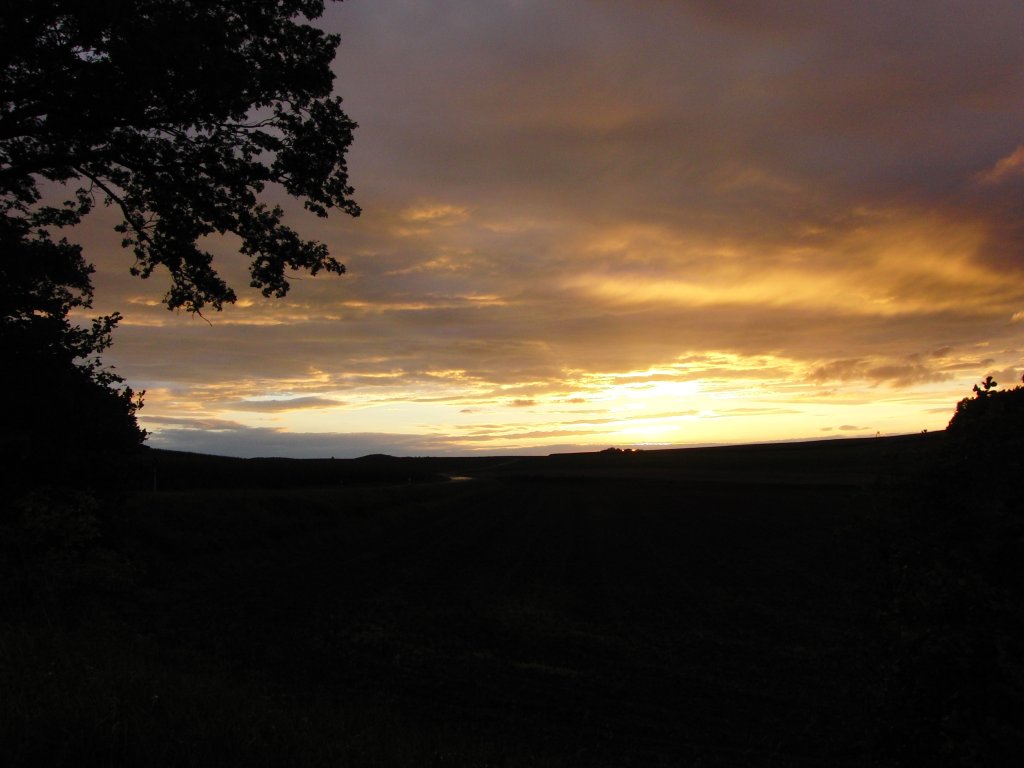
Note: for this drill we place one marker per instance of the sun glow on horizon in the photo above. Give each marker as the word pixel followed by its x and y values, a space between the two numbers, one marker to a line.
pixel 654 406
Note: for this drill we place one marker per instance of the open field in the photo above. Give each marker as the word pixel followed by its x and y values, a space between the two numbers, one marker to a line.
pixel 728 606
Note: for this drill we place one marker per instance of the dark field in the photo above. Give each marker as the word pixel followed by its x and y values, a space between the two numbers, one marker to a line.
pixel 737 606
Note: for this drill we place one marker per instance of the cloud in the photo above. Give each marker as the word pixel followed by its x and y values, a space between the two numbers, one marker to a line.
pixel 191 424
pixel 435 213
pixel 840 370
pixel 1009 167
pixel 903 375
pixel 747 412
pixel 932 366
pixel 283 404
pixel 801 201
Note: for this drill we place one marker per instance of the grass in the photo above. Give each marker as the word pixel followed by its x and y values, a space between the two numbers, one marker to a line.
pixel 724 607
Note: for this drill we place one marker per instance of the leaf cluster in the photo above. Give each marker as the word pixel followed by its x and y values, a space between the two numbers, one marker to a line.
pixel 180 114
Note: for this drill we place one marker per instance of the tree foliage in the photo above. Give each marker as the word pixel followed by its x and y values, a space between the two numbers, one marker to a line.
pixel 986 448
pixel 180 114
pixel 992 415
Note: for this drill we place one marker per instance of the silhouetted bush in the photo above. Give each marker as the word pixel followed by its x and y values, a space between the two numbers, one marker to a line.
pixel 996 416
pixel 986 447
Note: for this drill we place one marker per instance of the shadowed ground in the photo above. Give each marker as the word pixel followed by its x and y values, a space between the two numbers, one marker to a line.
pixel 657 609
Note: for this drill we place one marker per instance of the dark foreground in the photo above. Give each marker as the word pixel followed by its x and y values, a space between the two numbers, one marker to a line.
pixel 762 606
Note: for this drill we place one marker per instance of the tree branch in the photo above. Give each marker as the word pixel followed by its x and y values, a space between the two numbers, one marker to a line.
pixel 140 230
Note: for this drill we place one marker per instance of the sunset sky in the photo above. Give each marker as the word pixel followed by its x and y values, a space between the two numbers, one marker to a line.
pixel 590 223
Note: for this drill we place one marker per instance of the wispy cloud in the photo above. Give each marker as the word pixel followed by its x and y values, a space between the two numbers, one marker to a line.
pixel 1009 167
pixel 273 405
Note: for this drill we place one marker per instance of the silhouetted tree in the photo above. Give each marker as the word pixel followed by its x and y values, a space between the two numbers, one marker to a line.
pixel 996 416
pixel 60 400
pixel 987 386
pixel 179 114
pixel 986 448
pixel 69 424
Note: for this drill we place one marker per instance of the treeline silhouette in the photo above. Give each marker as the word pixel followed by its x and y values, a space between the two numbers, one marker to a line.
pixel 853 461
pixel 146 108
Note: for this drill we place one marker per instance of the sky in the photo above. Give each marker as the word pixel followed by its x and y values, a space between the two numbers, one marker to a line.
pixel 646 224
